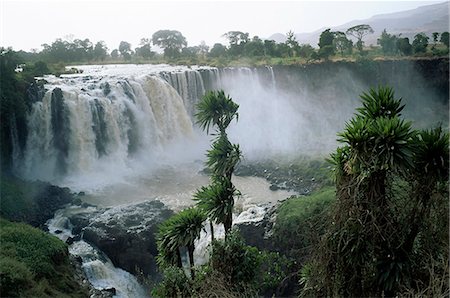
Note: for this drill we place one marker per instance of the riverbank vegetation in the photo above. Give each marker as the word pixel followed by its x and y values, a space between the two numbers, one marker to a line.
pixel 381 230
pixel 35 264
pixel 170 46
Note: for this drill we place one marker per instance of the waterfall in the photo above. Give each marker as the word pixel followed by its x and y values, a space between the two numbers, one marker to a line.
pixel 16 152
pixel 189 85
pixel 100 271
pixel 85 123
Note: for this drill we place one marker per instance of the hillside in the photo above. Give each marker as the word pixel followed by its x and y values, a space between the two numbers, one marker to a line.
pixel 427 19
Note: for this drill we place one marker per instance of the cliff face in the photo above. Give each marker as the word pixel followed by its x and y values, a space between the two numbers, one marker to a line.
pixel 423 84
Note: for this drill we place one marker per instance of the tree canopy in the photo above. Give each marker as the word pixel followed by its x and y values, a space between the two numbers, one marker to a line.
pixel 171 41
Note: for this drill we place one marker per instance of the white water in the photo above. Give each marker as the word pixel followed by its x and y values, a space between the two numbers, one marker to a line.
pixel 124 134
pixel 98 268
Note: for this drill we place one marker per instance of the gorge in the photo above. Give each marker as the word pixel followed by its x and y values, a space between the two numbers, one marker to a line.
pixel 125 134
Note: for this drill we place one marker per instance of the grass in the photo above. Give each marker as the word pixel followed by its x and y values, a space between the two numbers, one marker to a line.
pixel 301 221
pixel 34 264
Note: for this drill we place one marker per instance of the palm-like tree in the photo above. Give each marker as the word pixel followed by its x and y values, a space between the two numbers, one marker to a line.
pixel 217 201
pixel 181 230
pixel 218 110
pixel 223 157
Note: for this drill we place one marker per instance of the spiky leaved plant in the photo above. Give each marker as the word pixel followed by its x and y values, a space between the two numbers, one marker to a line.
pixel 180 230
pixel 218 110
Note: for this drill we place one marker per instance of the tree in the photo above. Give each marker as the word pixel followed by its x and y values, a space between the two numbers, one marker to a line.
pixel 115 54
pixel 435 39
pixel 191 52
pixel 218 50
pixel 180 230
pixel 305 50
pixel 145 49
pixel 359 31
pixel 255 47
pixel 326 47
pixel 342 43
pixel 125 50
pixel 404 46
pixel 237 40
pixel 420 43
pixel 171 41
pixel 218 110
pixel 445 39
pixel 388 43
pixel 270 48
pixel 203 48
pixel 100 51
pixel 292 43
pixel 388 178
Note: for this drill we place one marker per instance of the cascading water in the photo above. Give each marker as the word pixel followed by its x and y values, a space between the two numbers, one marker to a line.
pixel 90 124
pixel 110 123
pixel 98 268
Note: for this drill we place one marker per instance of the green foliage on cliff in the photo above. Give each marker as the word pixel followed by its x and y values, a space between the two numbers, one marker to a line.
pixel 392 189
pixel 34 264
pixel 30 202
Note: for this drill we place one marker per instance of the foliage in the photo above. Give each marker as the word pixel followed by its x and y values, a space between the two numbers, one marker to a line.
pixel 404 46
pixel 237 262
pixel 216 109
pixel 359 31
pixel 125 50
pixel 180 230
pixel 445 39
pixel 300 223
pixel 420 43
pixel 326 44
pixel 342 43
pixel 13 104
pixel 388 43
pixel 171 41
pixel 174 284
pixel 384 209
pixel 217 200
pixel 34 264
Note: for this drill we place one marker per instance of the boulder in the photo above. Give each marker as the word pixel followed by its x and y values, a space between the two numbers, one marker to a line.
pixel 126 234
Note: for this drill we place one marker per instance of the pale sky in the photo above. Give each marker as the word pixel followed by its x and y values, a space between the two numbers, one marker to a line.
pixel 28 24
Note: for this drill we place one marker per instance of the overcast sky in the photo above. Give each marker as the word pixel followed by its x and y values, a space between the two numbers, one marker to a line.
pixel 28 24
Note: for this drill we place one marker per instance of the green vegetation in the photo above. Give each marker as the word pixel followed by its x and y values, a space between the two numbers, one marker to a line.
pixel 179 231
pixel 30 202
pixel 243 50
pixel 391 189
pixel 217 200
pixel 34 264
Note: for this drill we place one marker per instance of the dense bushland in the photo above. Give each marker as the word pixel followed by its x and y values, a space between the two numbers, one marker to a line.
pixel 35 264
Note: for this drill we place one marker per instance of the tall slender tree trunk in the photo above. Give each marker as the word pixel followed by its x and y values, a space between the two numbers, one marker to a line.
pixel 211 227
pixel 191 249
pixel 179 263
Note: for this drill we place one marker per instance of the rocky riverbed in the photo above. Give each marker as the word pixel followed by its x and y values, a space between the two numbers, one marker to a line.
pixel 303 175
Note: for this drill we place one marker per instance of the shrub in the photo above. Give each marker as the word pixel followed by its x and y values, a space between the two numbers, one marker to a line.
pixel 301 221
pixel 174 284
pixel 14 277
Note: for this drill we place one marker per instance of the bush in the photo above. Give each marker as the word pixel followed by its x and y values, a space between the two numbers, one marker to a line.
pixel 236 261
pixel 301 221
pixel 39 251
pixel 35 264
pixel 174 284
pixel 14 277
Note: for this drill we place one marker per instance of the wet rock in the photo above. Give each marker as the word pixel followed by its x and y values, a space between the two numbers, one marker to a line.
pixel 258 233
pixel 274 187
pixel 126 234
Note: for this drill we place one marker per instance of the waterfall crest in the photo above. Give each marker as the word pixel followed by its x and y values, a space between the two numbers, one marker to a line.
pixel 85 121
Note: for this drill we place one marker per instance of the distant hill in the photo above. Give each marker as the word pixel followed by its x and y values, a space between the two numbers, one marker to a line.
pixel 426 19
